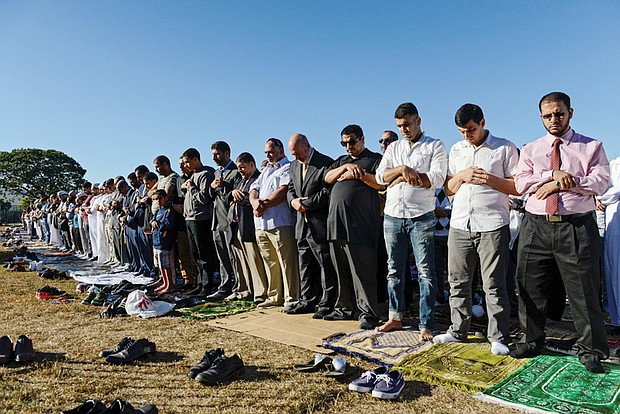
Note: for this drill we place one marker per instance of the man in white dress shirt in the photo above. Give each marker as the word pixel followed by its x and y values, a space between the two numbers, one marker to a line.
pixel 480 175
pixel 412 168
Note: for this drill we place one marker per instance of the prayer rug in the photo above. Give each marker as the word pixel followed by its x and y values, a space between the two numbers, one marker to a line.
pixel 558 384
pixel 211 310
pixel 297 330
pixel 383 348
pixel 466 366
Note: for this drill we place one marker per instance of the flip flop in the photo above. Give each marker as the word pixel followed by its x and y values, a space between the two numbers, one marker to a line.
pixel 320 362
pixel 337 368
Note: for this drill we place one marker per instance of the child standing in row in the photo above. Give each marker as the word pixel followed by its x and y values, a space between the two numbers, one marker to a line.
pixel 164 237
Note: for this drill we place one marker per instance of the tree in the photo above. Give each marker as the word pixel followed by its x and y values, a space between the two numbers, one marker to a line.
pixel 33 172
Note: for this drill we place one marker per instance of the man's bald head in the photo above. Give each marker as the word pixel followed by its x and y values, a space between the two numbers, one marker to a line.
pixel 299 147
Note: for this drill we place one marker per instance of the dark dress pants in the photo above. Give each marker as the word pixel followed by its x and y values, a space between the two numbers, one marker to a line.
pixel 574 247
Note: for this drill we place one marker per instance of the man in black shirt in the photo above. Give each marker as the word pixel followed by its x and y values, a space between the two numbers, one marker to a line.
pixel 353 227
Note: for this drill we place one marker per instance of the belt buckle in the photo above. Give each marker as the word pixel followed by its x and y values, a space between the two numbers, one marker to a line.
pixel 554 218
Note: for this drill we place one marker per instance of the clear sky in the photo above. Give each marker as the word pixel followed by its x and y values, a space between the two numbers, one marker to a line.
pixel 116 83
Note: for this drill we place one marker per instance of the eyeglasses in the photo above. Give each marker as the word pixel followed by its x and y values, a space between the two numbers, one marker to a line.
pixel 558 115
pixel 351 142
pixel 386 141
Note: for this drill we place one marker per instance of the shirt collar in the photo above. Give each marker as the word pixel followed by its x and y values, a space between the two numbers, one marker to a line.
pixel 566 138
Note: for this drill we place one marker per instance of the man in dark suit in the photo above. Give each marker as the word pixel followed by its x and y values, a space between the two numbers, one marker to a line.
pixel 309 196
pixel 220 190
pixel 251 277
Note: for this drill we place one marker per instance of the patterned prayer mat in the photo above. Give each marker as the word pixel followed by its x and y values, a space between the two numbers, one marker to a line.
pixel 211 310
pixel 558 384
pixel 383 348
pixel 466 366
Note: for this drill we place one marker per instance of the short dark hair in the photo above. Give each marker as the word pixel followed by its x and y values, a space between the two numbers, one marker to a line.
pixel 468 112
pixel 221 146
pixel 132 175
pixel 246 157
pixel 405 109
pixel 554 97
pixel 150 176
pixel 87 184
pixel 191 153
pixel 276 142
pixel 162 159
pixel 393 135
pixel 354 130
pixel 142 169
pixel 161 193
pixel 122 183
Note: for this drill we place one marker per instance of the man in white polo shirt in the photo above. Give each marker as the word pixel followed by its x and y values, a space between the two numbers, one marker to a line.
pixel 480 174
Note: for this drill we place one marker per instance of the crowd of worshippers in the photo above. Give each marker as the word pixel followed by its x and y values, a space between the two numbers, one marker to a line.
pixel 334 237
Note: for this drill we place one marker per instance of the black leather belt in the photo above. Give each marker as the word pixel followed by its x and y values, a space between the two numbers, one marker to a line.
pixel 556 218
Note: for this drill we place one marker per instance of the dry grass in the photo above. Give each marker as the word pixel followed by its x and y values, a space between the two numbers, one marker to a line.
pixel 67 370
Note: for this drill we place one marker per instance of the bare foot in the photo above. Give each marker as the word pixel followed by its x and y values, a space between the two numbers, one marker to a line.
pixel 390 325
pixel 426 334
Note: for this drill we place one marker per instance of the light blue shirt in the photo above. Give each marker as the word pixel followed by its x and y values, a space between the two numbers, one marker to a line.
pixel 271 178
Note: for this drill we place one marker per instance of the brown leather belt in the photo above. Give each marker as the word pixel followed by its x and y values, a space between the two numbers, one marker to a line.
pixel 556 218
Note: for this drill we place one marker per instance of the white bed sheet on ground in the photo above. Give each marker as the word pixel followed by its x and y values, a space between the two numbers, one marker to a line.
pixel 109 278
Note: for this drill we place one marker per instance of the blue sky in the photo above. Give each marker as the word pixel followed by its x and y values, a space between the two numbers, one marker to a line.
pixel 116 83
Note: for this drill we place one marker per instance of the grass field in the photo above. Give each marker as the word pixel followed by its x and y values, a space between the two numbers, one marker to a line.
pixel 67 370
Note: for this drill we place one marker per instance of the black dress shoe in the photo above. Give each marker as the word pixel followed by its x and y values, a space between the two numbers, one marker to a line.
pixel 338 315
pixel 6 350
pixel 205 363
pixel 367 323
pixel 89 407
pixel 23 349
pixel 138 349
pixel 301 309
pixel 120 407
pixel 196 290
pixel 527 350
pixel 224 368
pixel 321 313
pixel 123 344
pixel 592 363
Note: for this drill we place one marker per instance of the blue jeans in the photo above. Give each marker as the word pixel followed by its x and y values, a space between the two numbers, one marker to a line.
pixel 421 232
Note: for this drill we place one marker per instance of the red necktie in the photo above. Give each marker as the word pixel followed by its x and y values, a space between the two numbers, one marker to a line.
pixel 552 201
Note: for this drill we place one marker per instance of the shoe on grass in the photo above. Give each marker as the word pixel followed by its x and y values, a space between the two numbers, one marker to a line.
pixel 138 349
pixel 205 363
pixel 24 352
pixel 6 350
pixel 123 344
pixel 223 369
pixel 389 386
pixel 100 299
pixel 366 383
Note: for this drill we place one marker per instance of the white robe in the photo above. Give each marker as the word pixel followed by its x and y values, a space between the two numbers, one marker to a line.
pixel 612 241
pixel 92 225
pixel 104 247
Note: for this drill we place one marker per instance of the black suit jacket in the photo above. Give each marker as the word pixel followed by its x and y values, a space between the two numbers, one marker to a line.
pixel 244 208
pixel 317 192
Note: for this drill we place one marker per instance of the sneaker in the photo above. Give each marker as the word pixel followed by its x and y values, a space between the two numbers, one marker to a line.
pixel 100 299
pixel 89 406
pixel 205 363
pixel 123 344
pixel 6 350
pixel 89 299
pixel 389 386
pixel 24 351
pixel 366 383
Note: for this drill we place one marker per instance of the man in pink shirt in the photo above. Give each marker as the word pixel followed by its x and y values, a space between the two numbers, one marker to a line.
pixel 561 172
